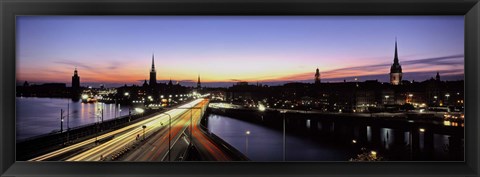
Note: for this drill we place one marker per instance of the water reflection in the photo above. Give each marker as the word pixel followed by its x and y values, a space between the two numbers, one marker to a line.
pixel 385 136
pixel 37 116
pixel 266 144
pixel 327 140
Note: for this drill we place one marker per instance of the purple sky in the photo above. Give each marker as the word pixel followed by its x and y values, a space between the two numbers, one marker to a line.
pixel 117 49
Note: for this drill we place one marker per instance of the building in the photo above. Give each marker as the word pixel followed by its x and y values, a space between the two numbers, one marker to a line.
pixel 199 85
pixel 396 69
pixel 153 74
pixel 317 77
pixel 75 80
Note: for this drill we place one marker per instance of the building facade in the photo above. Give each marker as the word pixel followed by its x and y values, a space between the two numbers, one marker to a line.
pixel 396 69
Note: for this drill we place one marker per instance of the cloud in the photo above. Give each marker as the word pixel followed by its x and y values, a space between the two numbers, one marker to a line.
pixel 74 64
pixel 427 64
pixel 445 60
pixel 236 80
pixel 186 81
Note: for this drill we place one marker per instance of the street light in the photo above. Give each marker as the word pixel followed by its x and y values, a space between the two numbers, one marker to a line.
pixel 261 107
pixel 447 95
pixel 246 141
pixel 139 110
pixel 284 137
pixel 169 134
pixel 61 120
pixel 373 154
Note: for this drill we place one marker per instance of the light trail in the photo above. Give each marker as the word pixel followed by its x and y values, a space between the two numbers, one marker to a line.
pixel 121 136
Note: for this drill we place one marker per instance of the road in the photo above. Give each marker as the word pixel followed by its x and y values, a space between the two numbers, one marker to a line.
pixel 156 147
pixel 116 140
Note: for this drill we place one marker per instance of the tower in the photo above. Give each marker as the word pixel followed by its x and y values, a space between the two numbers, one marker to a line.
pixel 75 80
pixel 153 74
pixel 145 84
pixel 396 69
pixel 317 77
pixel 199 85
pixel 437 77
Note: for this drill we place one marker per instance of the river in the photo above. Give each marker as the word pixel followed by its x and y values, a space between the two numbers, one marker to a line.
pixel 38 116
pixel 333 141
pixel 265 144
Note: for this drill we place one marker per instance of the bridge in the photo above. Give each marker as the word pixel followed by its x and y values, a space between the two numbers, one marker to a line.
pixel 169 136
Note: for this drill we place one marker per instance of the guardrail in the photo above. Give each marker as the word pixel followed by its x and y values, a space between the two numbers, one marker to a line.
pixel 232 151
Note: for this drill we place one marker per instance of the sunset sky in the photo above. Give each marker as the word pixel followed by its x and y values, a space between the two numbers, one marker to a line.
pixel 117 50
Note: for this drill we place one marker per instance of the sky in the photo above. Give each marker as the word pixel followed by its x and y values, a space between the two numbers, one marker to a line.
pixel 117 50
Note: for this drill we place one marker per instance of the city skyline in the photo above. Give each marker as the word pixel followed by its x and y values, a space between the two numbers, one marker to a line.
pixel 270 50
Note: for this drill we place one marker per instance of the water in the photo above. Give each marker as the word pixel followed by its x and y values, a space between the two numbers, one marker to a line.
pixel 316 140
pixel 38 116
pixel 265 144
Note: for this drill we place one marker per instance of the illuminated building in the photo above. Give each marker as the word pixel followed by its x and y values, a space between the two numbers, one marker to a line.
pixel 396 69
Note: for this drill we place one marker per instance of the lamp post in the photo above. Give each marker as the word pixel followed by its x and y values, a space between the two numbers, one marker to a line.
pixel 99 124
pixel 170 128
pixel 96 132
pixel 68 116
pixel 61 120
pixel 246 141
pixel 191 121
pixel 191 126
pixel 284 137
pixel 447 95
pixel 169 133
pixel 386 102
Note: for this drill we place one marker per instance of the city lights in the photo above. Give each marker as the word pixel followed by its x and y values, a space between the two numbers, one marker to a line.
pixel 330 99
pixel 139 110
pixel 261 107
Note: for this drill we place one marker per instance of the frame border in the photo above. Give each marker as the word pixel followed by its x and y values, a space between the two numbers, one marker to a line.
pixel 11 8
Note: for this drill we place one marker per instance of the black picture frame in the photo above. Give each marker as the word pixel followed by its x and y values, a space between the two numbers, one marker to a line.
pixel 12 8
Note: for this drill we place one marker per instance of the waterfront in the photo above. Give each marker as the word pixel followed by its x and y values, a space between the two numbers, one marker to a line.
pixel 265 144
pixel 38 116
pixel 336 140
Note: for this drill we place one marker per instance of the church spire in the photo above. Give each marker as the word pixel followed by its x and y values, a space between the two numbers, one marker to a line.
pixel 199 85
pixel 153 73
pixel 395 60
pixel 396 69
pixel 317 76
pixel 153 62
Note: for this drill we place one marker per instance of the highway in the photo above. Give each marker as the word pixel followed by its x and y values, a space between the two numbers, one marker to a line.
pixel 118 139
pixel 156 147
pixel 206 146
